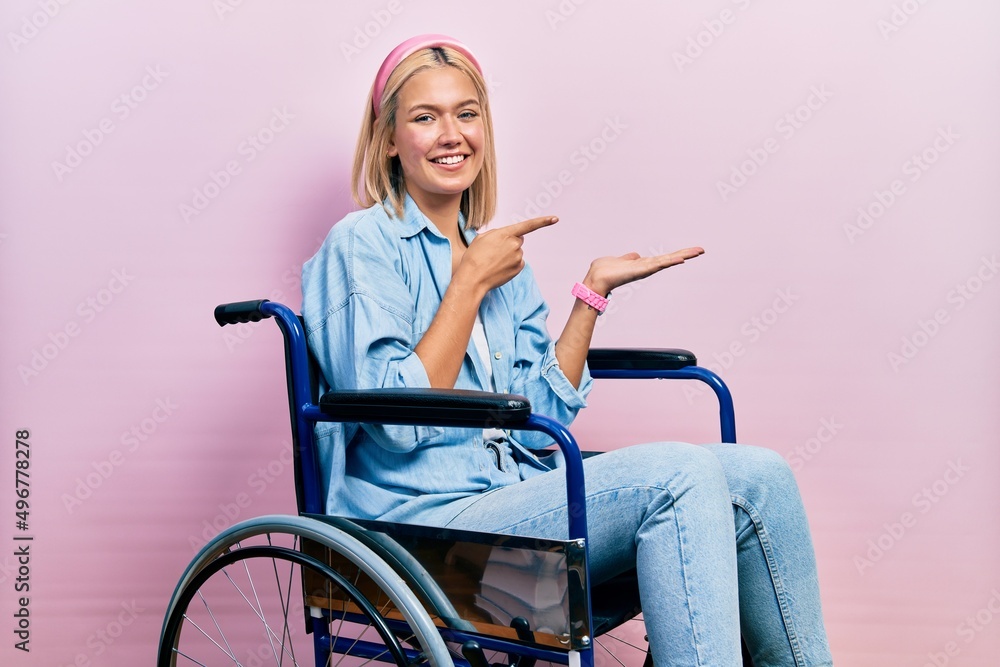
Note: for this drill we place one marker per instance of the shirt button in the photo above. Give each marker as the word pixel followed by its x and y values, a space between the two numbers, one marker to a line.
pixel 497 355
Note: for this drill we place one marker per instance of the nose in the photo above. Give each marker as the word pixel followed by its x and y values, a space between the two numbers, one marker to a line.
pixel 450 131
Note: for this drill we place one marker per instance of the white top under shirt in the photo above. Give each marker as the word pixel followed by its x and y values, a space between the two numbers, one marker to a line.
pixel 483 348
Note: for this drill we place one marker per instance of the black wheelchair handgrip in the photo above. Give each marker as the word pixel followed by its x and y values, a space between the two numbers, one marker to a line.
pixel 241 311
pixel 441 407
pixel 663 359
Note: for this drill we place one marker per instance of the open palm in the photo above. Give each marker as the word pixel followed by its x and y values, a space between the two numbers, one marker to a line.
pixel 608 273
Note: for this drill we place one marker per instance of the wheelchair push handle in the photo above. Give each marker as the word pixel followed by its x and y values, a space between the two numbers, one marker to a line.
pixel 240 312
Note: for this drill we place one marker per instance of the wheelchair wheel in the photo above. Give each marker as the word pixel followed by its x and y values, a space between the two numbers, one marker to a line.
pixel 625 645
pixel 273 591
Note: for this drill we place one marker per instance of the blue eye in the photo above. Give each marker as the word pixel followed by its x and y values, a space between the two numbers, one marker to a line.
pixel 422 117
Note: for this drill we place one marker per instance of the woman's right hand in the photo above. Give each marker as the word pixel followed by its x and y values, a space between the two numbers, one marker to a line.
pixel 495 256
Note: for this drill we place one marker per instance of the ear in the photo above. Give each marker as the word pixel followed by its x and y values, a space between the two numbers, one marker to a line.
pixel 392 151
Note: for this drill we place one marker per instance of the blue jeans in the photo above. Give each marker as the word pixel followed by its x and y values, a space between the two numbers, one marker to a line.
pixel 668 510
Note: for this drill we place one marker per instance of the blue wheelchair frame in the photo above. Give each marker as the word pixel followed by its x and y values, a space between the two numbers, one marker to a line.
pixel 458 408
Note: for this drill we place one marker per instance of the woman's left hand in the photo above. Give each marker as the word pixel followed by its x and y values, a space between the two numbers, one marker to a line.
pixel 609 273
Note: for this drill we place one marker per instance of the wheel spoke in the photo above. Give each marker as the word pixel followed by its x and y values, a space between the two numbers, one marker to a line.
pixel 340 625
pixel 350 648
pixel 267 626
pixel 385 607
pixel 623 641
pixel 285 605
pixel 269 633
pixel 185 655
pixel 612 655
pixel 208 608
pixel 209 638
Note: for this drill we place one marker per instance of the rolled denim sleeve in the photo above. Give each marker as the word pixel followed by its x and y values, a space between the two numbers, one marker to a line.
pixel 359 324
pixel 537 374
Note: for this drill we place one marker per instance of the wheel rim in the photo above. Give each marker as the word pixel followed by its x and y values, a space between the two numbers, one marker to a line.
pixel 370 566
pixel 246 607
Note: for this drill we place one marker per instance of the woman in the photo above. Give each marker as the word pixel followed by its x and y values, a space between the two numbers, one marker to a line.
pixel 407 293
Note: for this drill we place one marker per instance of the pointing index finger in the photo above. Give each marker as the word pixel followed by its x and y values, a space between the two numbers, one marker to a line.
pixel 526 226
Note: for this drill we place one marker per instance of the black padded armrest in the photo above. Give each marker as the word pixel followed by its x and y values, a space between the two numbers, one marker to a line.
pixel 664 359
pixel 442 407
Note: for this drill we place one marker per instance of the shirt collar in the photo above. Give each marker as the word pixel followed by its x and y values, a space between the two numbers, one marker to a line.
pixel 414 221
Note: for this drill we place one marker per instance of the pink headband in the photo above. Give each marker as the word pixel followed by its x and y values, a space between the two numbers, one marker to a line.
pixel 410 47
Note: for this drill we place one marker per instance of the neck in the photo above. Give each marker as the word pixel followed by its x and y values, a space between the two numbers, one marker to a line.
pixel 442 210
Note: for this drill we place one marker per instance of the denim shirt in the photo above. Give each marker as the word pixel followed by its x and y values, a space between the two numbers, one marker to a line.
pixel 368 296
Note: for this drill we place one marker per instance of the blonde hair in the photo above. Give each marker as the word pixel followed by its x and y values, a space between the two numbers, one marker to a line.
pixel 378 177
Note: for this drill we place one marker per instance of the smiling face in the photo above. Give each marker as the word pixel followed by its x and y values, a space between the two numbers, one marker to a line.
pixel 439 136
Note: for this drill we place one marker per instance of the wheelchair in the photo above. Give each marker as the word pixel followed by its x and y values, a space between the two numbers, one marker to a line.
pixel 322 590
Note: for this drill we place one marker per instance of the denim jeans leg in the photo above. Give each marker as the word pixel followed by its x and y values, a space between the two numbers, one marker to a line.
pixel 780 607
pixel 662 508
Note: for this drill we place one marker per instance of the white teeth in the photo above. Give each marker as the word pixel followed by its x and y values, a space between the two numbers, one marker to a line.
pixel 451 159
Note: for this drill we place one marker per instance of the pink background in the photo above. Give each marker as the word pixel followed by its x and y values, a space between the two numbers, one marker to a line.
pixel 865 352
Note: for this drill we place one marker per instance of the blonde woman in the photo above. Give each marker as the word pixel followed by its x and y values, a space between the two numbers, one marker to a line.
pixel 408 292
